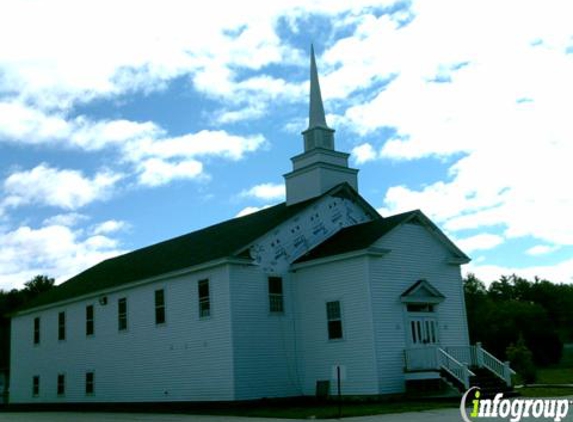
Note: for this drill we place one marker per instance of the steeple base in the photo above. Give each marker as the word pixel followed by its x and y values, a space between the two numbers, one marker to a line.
pixel 314 180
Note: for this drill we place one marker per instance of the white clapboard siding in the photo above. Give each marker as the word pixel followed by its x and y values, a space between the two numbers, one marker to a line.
pixel 347 282
pixel 415 254
pixel 187 358
pixel 264 348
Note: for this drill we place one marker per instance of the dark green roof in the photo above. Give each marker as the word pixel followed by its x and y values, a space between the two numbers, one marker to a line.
pixel 356 237
pixel 214 242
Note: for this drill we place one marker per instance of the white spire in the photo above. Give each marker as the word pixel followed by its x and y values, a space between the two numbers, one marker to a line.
pixel 318 134
pixel 316 116
pixel 320 167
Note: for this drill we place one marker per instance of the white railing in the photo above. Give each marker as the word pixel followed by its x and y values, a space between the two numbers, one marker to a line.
pixel 499 368
pixel 478 356
pixel 457 360
pixel 436 358
pixel 464 354
pixel 454 367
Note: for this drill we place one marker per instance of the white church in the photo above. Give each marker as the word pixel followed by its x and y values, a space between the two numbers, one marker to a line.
pixel 278 303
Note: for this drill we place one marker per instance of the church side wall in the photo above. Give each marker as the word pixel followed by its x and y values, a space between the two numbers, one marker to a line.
pixel 415 254
pixel 345 281
pixel 186 358
pixel 264 343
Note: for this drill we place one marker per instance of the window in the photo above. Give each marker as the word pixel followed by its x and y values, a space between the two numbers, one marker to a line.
pixel 159 306
pixel 37 330
pixel 36 386
pixel 276 294
pixel 334 320
pixel 90 383
pixel 204 303
pixel 420 307
pixel 122 314
pixel 61 384
pixel 89 320
pixel 62 326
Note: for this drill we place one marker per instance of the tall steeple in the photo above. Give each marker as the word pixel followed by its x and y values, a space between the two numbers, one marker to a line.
pixel 320 167
pixel 316 109
pixel 318 134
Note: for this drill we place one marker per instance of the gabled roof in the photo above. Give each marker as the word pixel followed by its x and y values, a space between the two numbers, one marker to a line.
pixel 422 292
pixel 208 244
pixel 356 237
pixel 361 236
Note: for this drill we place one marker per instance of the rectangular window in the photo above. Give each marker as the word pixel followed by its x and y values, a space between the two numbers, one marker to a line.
pixel 37 330
pixel 159 306
pixel 89 320
pixel 276 295
pixel 122 314
pixel 90 383
pixel 61 384
pixel 62 326
pixel 36 386
pixel 204 302
pixel 334 320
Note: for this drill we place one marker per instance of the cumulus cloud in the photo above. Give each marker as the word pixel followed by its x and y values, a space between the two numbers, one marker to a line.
pixel 109 226
pixel 156 172
pixel 481 241
pixel 493 105
pixel 250 210
pixel 541 250
pixel 23 124
pixel 558 273
pixel 213 48
pixel 265 191
pixel 364 153
pixel 67 189
pixel 70 219
pixel 203 143
pixel 55 250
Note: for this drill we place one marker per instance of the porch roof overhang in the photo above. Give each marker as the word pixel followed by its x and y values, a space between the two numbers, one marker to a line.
pixel 422 292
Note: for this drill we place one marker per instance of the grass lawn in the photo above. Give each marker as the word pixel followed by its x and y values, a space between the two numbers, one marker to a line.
pixel 545 391
pixel 554 375
pixel 561 373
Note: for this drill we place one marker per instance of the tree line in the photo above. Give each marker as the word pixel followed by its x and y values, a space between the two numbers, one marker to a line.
pixel 11 301
pixel 525 322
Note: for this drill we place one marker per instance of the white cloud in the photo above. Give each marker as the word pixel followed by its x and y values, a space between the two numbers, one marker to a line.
pixel 266 191
pixel 24 124
pixel 54 250
pixel 364 153
pixel 70 219
pixel 156 172
pixel 250 210
pixel 541 250
pixel 212 45
pixel 558 273
pixel 479 242
pixel 200 144
pixel 108 227
pixel 493 103
pixel 68 189
pixel 159 161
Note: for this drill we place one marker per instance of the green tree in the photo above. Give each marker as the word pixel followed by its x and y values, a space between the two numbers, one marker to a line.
pixel 10 302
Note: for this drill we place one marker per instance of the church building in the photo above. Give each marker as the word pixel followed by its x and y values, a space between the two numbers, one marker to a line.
pixel 279 303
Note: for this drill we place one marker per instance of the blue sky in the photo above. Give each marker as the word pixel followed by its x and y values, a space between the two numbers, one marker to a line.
pixel 126 123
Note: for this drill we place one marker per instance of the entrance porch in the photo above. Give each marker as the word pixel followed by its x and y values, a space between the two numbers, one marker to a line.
pixel 457 362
